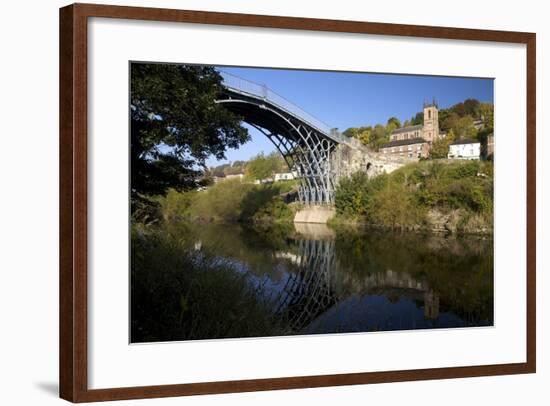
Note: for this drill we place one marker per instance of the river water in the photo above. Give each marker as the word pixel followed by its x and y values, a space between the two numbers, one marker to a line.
pixel 319 280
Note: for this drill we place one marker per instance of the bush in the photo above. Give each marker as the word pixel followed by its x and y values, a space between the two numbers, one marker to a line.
pixel 229 201
pixel 182 294
pixel 394 206
pixel 176 205
pixel 402 199
pixel 353 194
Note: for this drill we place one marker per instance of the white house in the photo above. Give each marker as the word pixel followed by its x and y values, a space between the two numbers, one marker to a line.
pixel 464 149
pixel 285 176
pixel 239 176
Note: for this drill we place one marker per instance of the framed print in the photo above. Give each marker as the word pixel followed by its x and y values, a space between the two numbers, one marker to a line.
pixel 255 202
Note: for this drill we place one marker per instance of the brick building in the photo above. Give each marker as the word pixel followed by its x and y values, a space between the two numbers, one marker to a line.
pixel 411 148
pixel 415 141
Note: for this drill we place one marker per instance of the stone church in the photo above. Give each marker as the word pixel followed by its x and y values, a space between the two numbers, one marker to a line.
pixel 415 141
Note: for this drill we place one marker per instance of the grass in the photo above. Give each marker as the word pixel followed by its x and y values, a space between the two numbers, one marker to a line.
pixel 231 201
pixel 182 294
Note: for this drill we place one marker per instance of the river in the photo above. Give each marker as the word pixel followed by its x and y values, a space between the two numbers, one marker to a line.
pixel 314 280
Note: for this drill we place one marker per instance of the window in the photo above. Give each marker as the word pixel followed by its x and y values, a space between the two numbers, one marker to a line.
pixel 410 148
pixel 429 114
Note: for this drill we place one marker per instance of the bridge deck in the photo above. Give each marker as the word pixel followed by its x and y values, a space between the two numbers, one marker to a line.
pixel 248 88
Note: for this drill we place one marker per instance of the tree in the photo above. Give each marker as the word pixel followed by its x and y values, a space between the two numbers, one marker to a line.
pixel 391 127
pixel 472 107
pixel 394 121
pixel 364 135
pixel 464 127
pixel 351 132
pixel 440 147
pixel 220 170
pixel 235 168
pixel 175 126
pixel 418 119
pixel 487 115
pixel 379 136
pixel 263 167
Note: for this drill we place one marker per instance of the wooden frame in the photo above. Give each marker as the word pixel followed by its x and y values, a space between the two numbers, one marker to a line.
pixel 73 201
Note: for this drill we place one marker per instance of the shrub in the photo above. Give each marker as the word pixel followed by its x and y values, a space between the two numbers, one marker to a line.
pixel 353 194
pixel 182 294
pixel 176 205
pixel 394 206
pixel 402 199
pixel 231 200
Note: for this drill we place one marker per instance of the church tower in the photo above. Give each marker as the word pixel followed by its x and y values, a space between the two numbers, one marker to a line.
pixel 430 130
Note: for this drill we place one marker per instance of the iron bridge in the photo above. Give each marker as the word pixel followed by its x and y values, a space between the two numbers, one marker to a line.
pixel 305 142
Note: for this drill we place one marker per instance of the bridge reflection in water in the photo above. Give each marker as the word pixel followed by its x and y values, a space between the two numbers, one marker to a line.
pixel 323 281
pixel 310 292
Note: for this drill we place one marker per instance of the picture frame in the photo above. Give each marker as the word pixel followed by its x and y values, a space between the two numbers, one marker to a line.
pixel 74 201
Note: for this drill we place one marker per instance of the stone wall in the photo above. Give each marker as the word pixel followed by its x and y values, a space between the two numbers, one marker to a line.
pixel 346 160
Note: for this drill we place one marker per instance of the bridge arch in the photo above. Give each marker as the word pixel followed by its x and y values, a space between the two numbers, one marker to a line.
pixel 305 143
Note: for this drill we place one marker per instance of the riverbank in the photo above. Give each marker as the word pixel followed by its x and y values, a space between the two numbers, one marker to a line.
pixel 233 201
pixel 438 196
pixel 210 280
pixel 451 197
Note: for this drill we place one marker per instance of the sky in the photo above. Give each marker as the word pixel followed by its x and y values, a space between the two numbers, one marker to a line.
pixel 349 99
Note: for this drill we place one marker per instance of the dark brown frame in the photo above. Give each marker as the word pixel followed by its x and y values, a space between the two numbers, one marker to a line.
pixel 73 201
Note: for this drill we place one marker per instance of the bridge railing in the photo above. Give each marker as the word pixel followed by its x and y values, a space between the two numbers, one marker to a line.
pixel 248 87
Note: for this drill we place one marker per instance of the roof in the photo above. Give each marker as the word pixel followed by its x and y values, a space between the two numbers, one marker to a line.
pixel 407 129
pixel 398 143
pixel 465 141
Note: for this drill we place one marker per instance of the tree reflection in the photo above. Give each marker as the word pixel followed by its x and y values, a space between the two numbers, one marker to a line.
pixel 313 279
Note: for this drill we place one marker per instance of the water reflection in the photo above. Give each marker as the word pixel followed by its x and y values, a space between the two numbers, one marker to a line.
pixel 318 280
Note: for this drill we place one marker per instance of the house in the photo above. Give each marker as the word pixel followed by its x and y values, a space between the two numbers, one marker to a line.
pixel 478 124
pixel 411 148
pixel 415 141
pixel 464 149
pixel 239 176
pixel 286 176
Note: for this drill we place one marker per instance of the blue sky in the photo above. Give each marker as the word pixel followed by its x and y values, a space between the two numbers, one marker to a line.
pixel 344 99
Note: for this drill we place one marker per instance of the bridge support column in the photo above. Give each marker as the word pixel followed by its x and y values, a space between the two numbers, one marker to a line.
pixel 315 214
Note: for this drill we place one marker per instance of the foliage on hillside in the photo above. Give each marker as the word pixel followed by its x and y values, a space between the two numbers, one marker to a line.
pixel 265 166
pixel 459 194
pixel 231 200
pixel 259 167
pixel 457 120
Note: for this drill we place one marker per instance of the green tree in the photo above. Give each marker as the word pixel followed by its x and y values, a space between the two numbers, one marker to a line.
pixel 264 166
pixel 351 132
pixel 418 119
pixel 469 107
pixel 175 126
pixel 487 114
pixel 440 147
pixel 364 135
pixel 464 127
pixel 379 136
pixel 394 121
